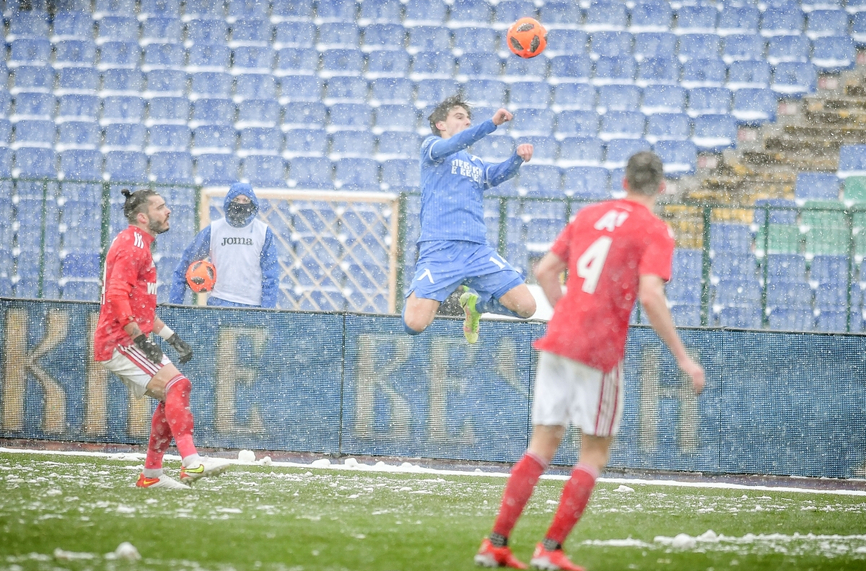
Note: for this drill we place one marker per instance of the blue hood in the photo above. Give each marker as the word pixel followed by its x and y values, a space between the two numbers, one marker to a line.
pixel 238 189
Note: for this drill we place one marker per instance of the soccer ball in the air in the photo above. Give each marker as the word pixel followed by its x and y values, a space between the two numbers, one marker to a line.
pixel 201 276
pixel 526 38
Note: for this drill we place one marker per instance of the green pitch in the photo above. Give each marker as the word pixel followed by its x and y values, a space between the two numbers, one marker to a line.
pixel 68 512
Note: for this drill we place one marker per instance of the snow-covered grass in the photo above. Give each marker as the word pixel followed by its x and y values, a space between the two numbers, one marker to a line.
pixel 68 511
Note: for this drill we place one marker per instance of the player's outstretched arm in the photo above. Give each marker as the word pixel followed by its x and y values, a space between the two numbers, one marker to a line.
pixel 198 250
pixel 547 273
pixel 270 271
pixel 501 116
pixel 652 297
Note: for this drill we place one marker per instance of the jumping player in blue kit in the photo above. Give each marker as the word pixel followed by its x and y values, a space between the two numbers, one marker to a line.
pixel 453 249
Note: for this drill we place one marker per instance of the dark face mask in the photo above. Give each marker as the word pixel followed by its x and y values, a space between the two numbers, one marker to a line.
pixel 239 214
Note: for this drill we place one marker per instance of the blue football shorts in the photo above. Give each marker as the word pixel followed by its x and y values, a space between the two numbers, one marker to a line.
pixel 445 264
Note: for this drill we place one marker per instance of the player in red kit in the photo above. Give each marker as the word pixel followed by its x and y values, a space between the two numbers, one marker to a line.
pixel 615 252
pixel 122 342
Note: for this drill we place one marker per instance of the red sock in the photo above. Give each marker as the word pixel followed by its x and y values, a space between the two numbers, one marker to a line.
pixel 179 416
pixel 160 439
pixel 575 496
pixel 519 488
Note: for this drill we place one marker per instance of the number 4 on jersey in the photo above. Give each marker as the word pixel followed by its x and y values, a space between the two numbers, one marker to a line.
pixel 591 262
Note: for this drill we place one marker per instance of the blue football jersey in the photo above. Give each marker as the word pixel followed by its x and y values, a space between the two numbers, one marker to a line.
pixel 453 184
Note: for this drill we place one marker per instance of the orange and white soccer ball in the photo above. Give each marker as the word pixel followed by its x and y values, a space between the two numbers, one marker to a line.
pixel 526 37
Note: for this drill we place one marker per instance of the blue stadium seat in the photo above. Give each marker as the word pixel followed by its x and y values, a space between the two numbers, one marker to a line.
pixel 740 317
pixel 291 10
pixel 811 5
pixel 783 21
pixel 107 8
pixel 5 135
pixel 679 157
pixel 117 29
pixel 400 174
pixel 699 19
pixel 577 124
pixel 699 46
pixel 338 35
pixel 75 135
pixel 380 11
pixel 586 182
pixel 799 319
pixel 477 65
pixel 161 30
pixel 425 13
pixel 428 39
pixel 74 53
pixel 786 268
pixel 311 173
pixel 834 320
pixel 570 68
pixel 704 73
pixel 852 161
pixel 605 16
pixel 78 108
pixel 305 115
pixel 714 132
pixel 265 171
pixel 29 52
pixel 216 169
pixel 581 152
pixel 387 64
pixel 203 9
pixel 345 90
pixel 663 99
pixel 212 111
pixel 356 174
pixel 527 122
pixel 686 315
pixel 80 165
pixel 77 80
pixel 614 70
pixel 35 162
pixel 858 28
pixel 397 145
pixel 124 137
pixel 352 144
pixel 622 125
pixel 254 86
pixel 566 42
pixel 352 116
pixel 159 9
pixel 301 89
pixel 610 44
pixel 529 95
pixel 27 24
pixel 782 211
pixel 755 106
pixel 34 133
pixel 831 296
pixel 5 162
pixel 206 32
pixel 469 13
pixel 833 53
pixel 260 141
pixel 385 91
pixel 247 10
pixel 119 55
pixel 72 26
pixel 214 139
pixel 342 62
pixel 738 20
pixel 748 74
pixel 204 84
pixel 739 47
pixel 294 34
pixel 658 71
pixel 545 148
pixel 431 91
pixel 384 37
pixel 521 69
pixel 167 110
pixel 734 265
pixel 730 238
pixel 126 166
pixel 252 60
pixel 168 167
pixel 654 44
pixel 540 180
pixel 651 17
pixel 709 100
pixel 507 12
pixel 574 96
pixel 32 78
pixel 560 14
pixel 335 11
pixel 618 152
pixel 122 82
pixel 668 127
pixel 485 92
pixel 163 56
pixel 821 23
pixel 396 118
pixel 618 98
pixel 827 269
pixel 788 49
pixel 816 186
pixel 168 138
pixel 258 113
pixel 494 148
pixel 738 293
pixel 432 65
pixel 468 40
pixel 296 61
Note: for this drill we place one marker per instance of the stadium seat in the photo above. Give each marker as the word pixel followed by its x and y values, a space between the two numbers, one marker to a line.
pixel 788 49
pixel 614 70
pixel 311 173
pixel 260 141
pixel 77 107
pixel 432 65
pixel 71 26
pixel 748 74
pixel 782 21
pixel 167 110
pixel 618 98
pixel 168 138
pixel 577 124
pixel 80 164
pixel 163 56
pixel 833 53
pixel 654 45
pixel 494 148
pixel 206 32
pixel 650 17
pixel 855 191
pixel 207 84
pixel 165 83
pixel 203 9
pixel 428 39
pixel 610 44
pixel 161 31
pixel 858 29
pixel 525 69
pixel 741 47
pixel 122 82
pixel 300 89
pixel 545 148
pixel 573 96
pixel 258 113
pixel 218 169
pixel 734 265
pixel 704 73
pixel 663 99
pixel 28 25
pixel 529 94
pixel 700 19
pixel 267 171
pixel 212 111
pixel 34 133
pixel 679 157
pixel 791 319
pixel 477 65
pixel 345 90
pixel 658 71
pixel 466 40
pixel 566 42
pixel 384 37
pixel 816 186
pixel 400 175
pixel 390 90
pixel 384 11
pixel 352 144
pixel 821 23
pixel 709 100
pixel 581 152
pixel 159 9
pixel 784 294
pixel 126 166
pixel 295 34
pixel 507 12
pixel 171 167
pixel 586 182
pixel 356 174
pixel 826 227
pixel 602 15
pixel 85 135
pixel 214 139
pixel 239 10
pixel 117 29
pixel 387 64
pixel 84 80
pixel 338 35
pixel 254 86
pixel 560 14
pixel 29 51
pixel 291 10
pixel 75 53
pixel 296 61
pixel 622 125
pixel 124 137
pixel 686 315
pixel 831 296
pixel 754 106
pixel 397 145
pixel 829 269
pixel 335 11
pixel 32 79
pixel 714 132
pixel 699 46
pixel 396 118
pixel 786 268
pixel 485 92
pixel 738 20
pixel 570 68
pixel 469 14
pixel 540 180
pixel 424 13
pixel 528 122
pixel 833 320
pixel 730 238
pixel 852 161
pixel 618 151
pixel 668 127
pixel 341 62
pixel 305 115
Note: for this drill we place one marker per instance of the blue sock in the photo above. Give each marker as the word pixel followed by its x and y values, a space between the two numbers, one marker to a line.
pixel 492 305
pixel 408 329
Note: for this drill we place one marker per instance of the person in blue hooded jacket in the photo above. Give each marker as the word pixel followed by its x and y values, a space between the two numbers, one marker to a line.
pixel 242 249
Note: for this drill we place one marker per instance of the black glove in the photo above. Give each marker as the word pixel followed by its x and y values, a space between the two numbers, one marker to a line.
pixel 183 349
pixel 150 349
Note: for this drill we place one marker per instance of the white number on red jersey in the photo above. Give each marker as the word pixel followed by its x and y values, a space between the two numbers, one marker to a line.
pixel 611 220
pixel 591 262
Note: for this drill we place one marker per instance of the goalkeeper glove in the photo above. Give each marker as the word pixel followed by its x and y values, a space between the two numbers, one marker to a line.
pixel 150 349
pixel 182 347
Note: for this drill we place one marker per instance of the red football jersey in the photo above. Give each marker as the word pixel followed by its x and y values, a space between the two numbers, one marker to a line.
pixel 607 247
pixel 128 291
